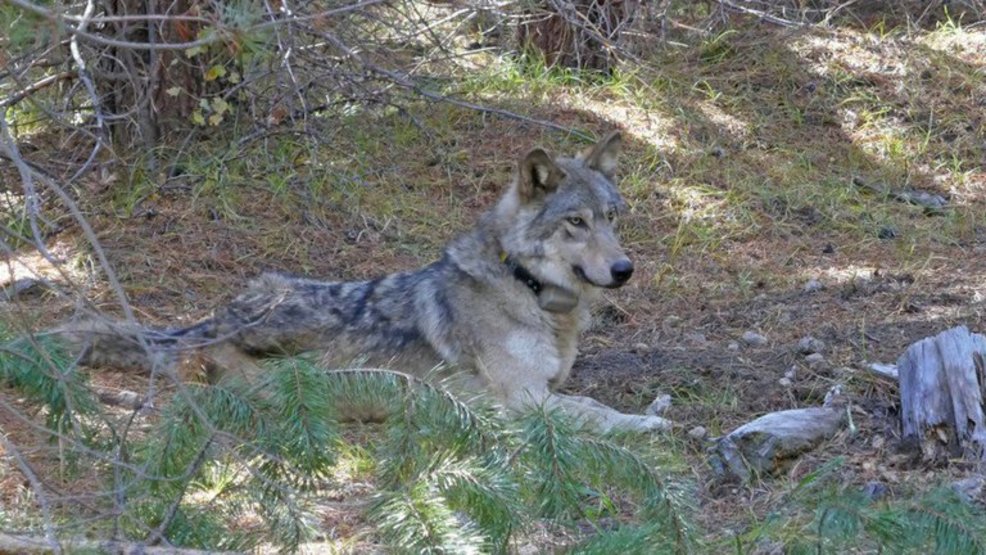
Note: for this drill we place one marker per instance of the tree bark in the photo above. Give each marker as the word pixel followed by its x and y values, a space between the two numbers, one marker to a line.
pixel 942 383
pixel 582 34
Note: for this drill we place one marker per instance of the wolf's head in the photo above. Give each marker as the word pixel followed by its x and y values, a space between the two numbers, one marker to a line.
pixel 558 219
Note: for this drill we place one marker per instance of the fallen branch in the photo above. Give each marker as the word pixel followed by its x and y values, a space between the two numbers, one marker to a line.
pixel 772 441
pixel 35 87
pixel 758 13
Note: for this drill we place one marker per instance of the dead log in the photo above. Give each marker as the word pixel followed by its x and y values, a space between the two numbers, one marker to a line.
pixel 770 442
pixel 942 386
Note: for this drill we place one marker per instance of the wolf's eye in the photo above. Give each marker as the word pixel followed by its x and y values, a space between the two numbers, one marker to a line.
pixel 576 221
pixel 611 215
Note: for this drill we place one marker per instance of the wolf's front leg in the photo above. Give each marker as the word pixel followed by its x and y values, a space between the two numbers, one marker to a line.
pixel 518 371
pixel 584 410
pixel 605 418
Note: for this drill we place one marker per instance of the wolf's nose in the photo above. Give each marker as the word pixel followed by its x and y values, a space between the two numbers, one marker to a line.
pixel 621 271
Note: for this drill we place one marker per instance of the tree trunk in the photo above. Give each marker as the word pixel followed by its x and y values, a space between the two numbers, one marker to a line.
pixel 583 34
pixel 133 83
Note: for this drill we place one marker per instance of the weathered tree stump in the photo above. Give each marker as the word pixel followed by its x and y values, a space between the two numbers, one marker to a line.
pixel 942 385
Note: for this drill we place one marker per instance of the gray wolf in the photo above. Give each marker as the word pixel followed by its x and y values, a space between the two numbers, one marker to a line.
pixel 504 306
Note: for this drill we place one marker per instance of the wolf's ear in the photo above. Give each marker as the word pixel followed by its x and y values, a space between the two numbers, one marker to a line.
pixel 539 175
pixel 603 156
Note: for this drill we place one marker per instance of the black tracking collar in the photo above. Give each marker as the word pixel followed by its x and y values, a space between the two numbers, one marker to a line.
pixel 521 274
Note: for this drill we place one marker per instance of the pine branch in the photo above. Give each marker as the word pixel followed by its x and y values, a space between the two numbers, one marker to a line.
pixel 418 519
pixel 662 503
pixel 648 538
pixel 304 431
pixel 944 520
pixel 41 369
pixel 552 453
pixel 485 490
pixel 452 477
pixel 844 517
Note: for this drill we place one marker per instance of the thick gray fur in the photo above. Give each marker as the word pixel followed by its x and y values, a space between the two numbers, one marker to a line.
pixel 467 311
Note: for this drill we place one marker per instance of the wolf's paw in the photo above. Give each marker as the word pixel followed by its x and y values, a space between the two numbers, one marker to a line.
pixel 648 423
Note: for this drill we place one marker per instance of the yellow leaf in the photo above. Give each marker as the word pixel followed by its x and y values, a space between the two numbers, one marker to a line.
pixel 215 119
pixel 173 91
pixel 215 72
pixel 197 118
pixel 234 77
pixel 194 51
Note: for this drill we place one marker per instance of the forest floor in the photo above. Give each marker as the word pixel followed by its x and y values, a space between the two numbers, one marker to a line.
pixel 740 157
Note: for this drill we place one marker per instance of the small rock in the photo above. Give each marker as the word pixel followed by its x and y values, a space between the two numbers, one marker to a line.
pixel 659 405
pixel 809 345
pixel 733 346
pixel 887 232
pixel 884 370
pixel 786 382
pixel 698 432
pixel 834 399
pixel 814 359
pixel 875 490
pixel 970 488
pixel 641 348
pixel 791 373
pixel 754 339
pixel 813 285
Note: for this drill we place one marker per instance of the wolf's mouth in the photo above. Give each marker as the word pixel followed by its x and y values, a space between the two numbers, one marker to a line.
pixel 581 275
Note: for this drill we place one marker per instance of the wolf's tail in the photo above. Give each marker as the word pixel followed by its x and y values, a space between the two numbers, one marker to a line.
pixel 131 346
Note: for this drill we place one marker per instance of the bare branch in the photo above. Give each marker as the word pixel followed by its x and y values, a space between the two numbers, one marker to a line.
pixel 35 87
pixel 50 540
pixel 407 83
pixel 213 38
pixel 729 4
